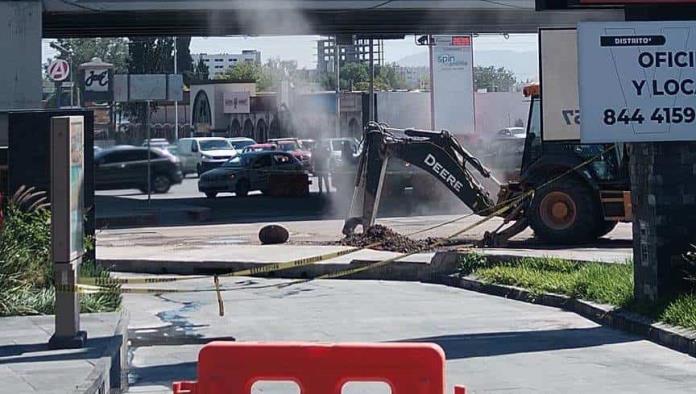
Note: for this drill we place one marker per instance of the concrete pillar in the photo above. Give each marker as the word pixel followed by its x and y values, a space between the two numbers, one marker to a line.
pixel 20 44
pixel 663 184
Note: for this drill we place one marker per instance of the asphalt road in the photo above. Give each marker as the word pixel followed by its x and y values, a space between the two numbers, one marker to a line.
pixel 492 344
pixel 227 208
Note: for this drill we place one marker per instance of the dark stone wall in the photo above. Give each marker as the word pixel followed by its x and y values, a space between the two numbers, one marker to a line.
pixel 29 155
pixel 663 184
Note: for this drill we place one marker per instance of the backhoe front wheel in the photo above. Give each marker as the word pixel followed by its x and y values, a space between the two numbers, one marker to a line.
pixel 566 212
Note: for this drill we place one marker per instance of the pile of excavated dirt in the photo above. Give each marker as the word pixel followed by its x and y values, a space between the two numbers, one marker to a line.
pixel 390 240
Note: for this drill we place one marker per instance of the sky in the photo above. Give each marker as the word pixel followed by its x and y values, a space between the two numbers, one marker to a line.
pixel 507 52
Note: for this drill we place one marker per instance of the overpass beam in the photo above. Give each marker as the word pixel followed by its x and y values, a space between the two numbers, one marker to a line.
pixel 20 43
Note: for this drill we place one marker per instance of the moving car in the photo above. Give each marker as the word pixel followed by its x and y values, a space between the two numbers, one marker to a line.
pixel 203 153
pixel 292 146
pixel 272 172
pixel 239 143
pixel 125 167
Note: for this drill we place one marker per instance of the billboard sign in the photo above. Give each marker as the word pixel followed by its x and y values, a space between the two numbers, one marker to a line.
pixel 148 87
pixel 236 103
pixel 451 64
pixel 646 90
pixel 67 181
pixel 560 104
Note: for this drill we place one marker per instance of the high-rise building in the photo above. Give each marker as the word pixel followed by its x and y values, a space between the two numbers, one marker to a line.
pixel 218 63
pixel 357 52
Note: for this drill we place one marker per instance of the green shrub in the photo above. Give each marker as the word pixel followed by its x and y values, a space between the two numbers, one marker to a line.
pixel 26 271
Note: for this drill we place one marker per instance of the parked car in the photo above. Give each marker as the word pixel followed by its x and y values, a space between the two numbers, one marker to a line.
pixel 125 167
pixel 259 148
pixel 240 143
pixel 336 145
pixel 203 154
pixel 157 143
pixel 262 170
pixel 292 146
pixel 512 132
pixel 308 144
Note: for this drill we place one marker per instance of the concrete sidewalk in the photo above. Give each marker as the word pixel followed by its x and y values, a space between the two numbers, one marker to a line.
pixel 203 249
pixel 28 366
pixel 492 344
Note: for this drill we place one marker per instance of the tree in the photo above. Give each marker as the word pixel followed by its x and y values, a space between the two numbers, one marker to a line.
pixel 249 72
pixel 148 55
pixel 356 76
pixel 184 61
pixel 82 50
pixel 201 72
pixel 352 74
pixel 494 79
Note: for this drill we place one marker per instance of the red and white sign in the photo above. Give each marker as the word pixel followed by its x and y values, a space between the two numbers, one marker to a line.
pixel 58 70
pixel 461 41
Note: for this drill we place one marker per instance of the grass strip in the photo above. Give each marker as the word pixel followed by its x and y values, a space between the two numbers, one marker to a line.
pixel 596 282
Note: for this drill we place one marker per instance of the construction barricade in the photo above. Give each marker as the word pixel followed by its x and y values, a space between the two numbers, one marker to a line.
pixel 234 367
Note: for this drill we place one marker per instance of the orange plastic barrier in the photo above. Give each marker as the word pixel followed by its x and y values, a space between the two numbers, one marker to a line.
pixel 233 367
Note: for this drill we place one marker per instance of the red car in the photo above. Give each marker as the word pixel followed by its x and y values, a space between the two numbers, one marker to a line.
pixel 292 146
pixel 259 147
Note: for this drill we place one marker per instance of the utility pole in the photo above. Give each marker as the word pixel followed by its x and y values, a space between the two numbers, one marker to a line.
pixel 176 102
pixel 372 116
pixel 337 66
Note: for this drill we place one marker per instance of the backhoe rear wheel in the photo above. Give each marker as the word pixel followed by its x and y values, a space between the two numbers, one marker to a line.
pixel 565 212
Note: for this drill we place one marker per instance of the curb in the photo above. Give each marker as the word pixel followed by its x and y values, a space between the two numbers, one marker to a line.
pixel 442 263
pixel 679 339
pixel 110 372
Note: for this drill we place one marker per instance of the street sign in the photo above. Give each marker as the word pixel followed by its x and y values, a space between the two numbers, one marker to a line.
pixel 58 70
pixel 560 105
pixel 637 81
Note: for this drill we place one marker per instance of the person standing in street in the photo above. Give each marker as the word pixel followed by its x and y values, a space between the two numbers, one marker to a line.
pixel 320 158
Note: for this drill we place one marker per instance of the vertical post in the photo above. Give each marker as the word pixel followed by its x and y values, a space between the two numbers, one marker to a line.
pixel 59 93
pixel 20 74
pixel 176 102
pixel 337 67
pixel 432 85
pixel 372 80
pixel 147 134
pixel 663 189
pixel 67 235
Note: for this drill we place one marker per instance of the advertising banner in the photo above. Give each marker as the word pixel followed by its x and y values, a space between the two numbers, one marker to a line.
pixel 560 105
pixel 637 81
pixel 67 184
pixel 452 90
pixel 236 103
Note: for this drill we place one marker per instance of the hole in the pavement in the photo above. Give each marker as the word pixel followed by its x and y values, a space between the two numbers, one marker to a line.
pixel 275 387
pixel 366 388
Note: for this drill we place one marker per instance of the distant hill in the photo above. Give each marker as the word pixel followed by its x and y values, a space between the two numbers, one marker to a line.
pixel 523 64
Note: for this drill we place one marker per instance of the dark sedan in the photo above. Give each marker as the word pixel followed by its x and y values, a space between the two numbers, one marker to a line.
pixel 271 172
pixel 125 167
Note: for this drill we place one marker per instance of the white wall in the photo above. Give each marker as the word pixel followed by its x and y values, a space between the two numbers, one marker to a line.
pixel 494 111
pixel 404 109
pixel 497 110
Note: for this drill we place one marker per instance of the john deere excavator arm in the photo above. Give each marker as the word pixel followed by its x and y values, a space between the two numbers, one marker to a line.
pixel 438 153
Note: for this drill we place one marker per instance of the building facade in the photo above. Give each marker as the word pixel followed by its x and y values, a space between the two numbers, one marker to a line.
pixel 218 63
pixel 357 52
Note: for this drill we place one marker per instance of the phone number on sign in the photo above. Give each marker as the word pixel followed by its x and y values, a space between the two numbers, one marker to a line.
pixel 673 115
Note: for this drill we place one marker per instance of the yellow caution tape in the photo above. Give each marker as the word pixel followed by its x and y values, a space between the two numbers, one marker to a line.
pixel 97 284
